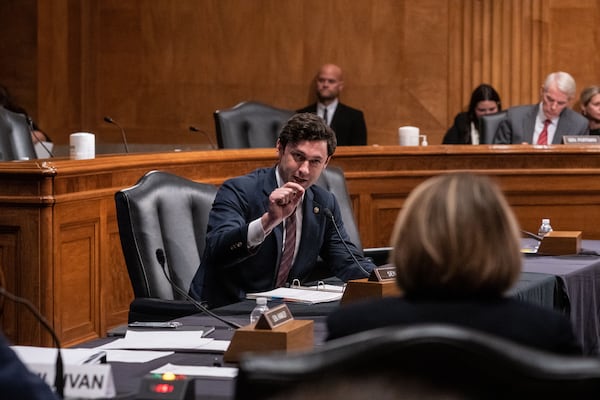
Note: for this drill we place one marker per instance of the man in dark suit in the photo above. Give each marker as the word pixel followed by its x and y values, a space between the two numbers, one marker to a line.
pixel 348 123
pixel 548 121
pixel 269 227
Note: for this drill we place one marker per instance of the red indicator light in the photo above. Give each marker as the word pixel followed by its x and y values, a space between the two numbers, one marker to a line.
pixel 163 388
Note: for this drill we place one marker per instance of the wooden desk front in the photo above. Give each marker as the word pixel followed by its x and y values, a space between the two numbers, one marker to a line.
pixel 59 241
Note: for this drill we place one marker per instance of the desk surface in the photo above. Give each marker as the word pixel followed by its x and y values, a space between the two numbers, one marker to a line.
pixel 543 280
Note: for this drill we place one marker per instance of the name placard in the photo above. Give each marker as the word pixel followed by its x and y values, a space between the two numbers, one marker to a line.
pixel 383 274
pixel 581 139
pixel 274 317
pixel 86 381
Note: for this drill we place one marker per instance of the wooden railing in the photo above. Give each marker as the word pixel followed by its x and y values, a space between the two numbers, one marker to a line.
pixel 59 241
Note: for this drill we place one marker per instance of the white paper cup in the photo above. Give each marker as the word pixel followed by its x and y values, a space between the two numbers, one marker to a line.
pixel 82 145
pixel 409 135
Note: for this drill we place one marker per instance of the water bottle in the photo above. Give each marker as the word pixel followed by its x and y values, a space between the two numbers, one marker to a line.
pixel 259 309
pixel 545 227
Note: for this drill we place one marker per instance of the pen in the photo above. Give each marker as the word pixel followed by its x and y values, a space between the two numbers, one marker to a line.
pixel 96 357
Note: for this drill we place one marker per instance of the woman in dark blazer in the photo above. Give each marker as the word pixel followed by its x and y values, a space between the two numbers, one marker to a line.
pixel 456 248
pixel 465 130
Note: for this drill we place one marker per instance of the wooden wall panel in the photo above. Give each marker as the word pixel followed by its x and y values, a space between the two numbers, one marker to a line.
pixel 159 66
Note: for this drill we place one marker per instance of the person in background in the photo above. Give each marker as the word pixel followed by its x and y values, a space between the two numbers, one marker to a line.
pixel 6 101
pixel 348 123
pixel 465 130
pixel 549 120
pixel 456 249
pixel 590 107
pixel 269 227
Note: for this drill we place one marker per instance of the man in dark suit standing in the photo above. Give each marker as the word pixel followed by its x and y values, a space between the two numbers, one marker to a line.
pixel 269 227
pixel 348 123
pixel 548 121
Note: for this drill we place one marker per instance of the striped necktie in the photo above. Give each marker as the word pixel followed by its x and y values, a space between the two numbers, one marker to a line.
pixel 543 138
pixel 288 250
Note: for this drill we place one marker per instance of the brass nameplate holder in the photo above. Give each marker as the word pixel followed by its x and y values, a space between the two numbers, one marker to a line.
pixel 276 330
pixel 274 317
pixel 382 274
pixel 556 243
pixel 581 139
pixel 381 283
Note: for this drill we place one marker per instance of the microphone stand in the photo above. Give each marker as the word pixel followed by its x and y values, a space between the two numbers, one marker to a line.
pixel 112 121
pixel 160 257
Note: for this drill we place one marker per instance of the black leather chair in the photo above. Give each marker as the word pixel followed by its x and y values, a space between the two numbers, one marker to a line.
pixel 333 179
pixel 488 125
pixel 15 137
pixel 444 359
pixel 249 124
pixel 169 212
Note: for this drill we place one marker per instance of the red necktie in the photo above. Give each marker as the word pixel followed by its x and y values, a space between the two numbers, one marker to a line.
pixel 288 250
pixel 543 138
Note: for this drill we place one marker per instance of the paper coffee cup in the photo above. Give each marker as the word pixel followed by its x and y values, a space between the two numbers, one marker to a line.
pixel 82 145
pixel 409 135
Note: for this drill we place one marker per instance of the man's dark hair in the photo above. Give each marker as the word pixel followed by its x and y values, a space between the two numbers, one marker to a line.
pixel 307 126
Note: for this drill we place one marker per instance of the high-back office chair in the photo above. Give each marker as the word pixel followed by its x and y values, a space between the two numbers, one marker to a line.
pixel 169 212
pixel 488 125
pixel 249 124
pixel 15 137
pixel 461 361
pixel 333 180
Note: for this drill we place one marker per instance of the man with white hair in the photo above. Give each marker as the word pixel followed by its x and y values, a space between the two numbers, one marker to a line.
pixel 548 121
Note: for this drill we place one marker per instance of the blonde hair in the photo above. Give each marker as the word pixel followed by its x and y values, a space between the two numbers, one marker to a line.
pixel 456 237
pixel 587 94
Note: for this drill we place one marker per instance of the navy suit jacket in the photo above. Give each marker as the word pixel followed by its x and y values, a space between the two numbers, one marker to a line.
pixel 16 381
pixel 509 318
pixel 348 124
pixel 229 269
pixel 519 125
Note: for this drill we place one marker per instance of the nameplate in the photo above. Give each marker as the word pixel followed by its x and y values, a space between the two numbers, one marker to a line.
pixel 274 317
pixel 383 274
pixel 86 381
pixel 581 139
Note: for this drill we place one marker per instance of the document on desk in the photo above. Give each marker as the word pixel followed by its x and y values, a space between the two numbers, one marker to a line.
pixel 300 295
pixel 191 370
pixel 33 354
pixel 167 340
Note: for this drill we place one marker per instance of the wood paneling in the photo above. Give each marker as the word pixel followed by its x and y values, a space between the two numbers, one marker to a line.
pixel 59 242
pixel 158 66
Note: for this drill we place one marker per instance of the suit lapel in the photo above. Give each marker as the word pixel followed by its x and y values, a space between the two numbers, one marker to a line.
pixel 530 124
pixel 270 183
pixel 310 229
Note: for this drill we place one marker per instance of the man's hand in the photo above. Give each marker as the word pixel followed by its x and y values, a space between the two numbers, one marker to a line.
pixel 282 202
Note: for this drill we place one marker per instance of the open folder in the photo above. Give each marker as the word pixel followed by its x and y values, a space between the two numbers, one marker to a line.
pixel 321 293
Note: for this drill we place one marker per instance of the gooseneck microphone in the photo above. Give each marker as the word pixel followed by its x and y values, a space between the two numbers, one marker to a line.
pixel 327 212
pixel 59 382
pixel 33 132
pixel 112 121
pixel 160 257
pixel 194 129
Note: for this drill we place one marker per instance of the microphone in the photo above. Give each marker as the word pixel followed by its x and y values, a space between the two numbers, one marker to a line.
pixel 194 129
pixel 59 382
pixel 160 257
pixel 34 133
pixel 329 214
pixel 112 121
pixel 532 235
